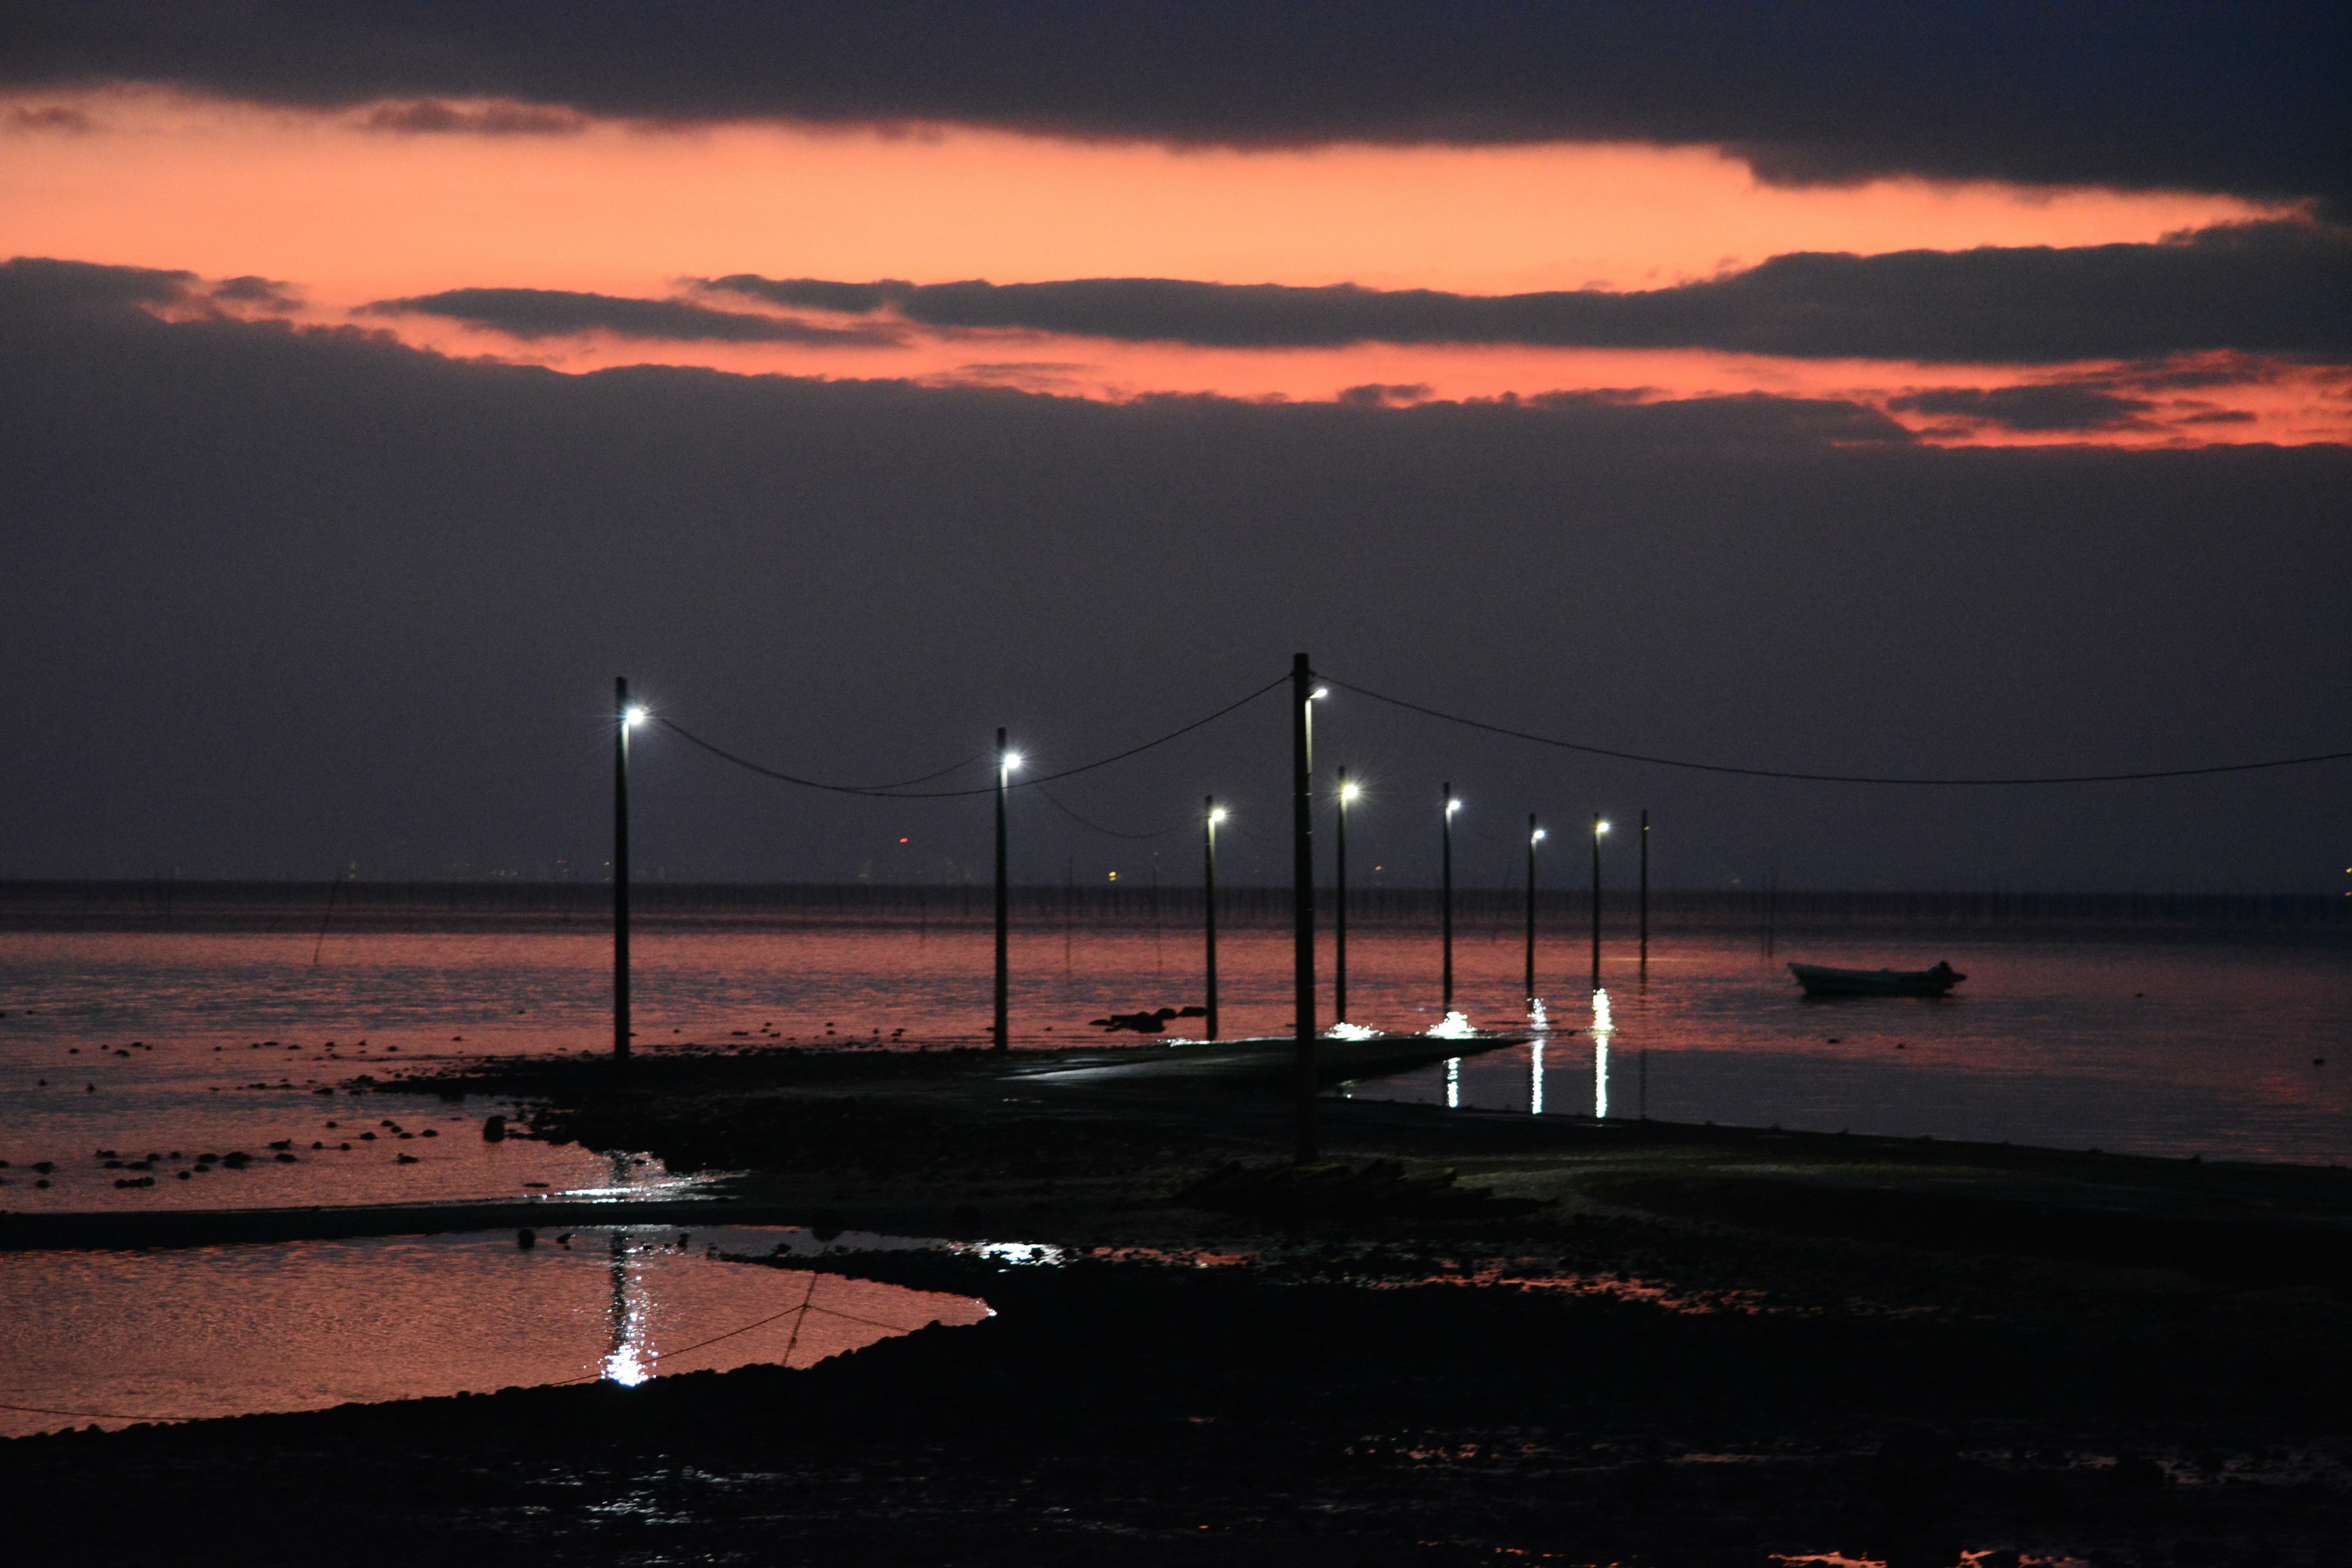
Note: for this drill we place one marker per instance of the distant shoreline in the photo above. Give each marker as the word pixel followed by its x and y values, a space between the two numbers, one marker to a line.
pixel 166 904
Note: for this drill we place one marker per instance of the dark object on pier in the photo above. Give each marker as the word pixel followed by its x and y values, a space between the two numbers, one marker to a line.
pixel 1821 981
pixel 494 1129
pixel 526 1238
pixel 1146 1023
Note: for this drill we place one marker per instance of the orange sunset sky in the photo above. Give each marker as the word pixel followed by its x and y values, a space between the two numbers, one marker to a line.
pixel 347 209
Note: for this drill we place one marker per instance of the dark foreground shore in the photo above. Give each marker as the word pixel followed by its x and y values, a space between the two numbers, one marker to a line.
pixel 1469 1338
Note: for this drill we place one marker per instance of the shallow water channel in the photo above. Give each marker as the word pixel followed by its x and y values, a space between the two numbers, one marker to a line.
pixel 109 1338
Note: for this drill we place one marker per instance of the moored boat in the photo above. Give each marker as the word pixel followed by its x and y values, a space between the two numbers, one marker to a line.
pixel 1820 980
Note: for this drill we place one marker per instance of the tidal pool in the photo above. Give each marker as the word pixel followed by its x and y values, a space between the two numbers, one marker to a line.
pixel 110 1337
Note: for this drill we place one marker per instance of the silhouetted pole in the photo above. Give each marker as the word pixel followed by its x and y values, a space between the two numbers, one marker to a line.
pixel 621 721
pixel 1209 817
pixel 1646 892
pixel 1002 1038
pixel 1302 892
pixel 1598 827
pixel 1339 908
pixel 1535 837
pixel 1445 897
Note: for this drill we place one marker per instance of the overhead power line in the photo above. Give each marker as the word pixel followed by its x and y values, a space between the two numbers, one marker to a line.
pixel 897 792
pixel 1831 778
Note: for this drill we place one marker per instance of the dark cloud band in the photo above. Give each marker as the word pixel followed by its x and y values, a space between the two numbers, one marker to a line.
pixel 2272 288
pixel 2248 99
pixel 560 312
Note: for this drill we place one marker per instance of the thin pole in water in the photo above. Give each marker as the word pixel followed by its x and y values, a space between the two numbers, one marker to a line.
pixel 1598 827
pixel 1001 1037
pixel 1446 895
pixel 1339 910
pixel 1535 837
pixel 1208 817
pixel 621 721
pixel 1302 894
pixel 1646 892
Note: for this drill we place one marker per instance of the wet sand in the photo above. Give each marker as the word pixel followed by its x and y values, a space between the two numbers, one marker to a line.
pixel 1475 1337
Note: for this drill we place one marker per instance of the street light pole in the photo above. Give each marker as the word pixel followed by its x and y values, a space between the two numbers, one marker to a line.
pixel 1002 1038
pixel 1600 826
pixel 1210 816
pixel 1348 793
pixel 1302 894
pixel 1446 898
pixel 1646 892
pixel 624 716
pixel 1535 837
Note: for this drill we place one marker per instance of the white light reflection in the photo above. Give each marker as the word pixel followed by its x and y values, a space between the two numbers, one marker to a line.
pixel 1351 1032
pixel 1534 1077
pixel 629 1363
pixel 1537 1017
pixel 1454 1026
pixel 1601 1029
pixel 1453 1083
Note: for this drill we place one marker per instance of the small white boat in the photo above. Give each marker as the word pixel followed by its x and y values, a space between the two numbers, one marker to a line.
pixel 1819 979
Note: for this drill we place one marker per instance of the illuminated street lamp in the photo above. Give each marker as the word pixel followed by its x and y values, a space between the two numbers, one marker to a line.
pixel 1348 793
pixel 1446 898
pixel 627 716
pixel 1006 761
pixel 1599 831
pixel 1535 837
pixel 1212 814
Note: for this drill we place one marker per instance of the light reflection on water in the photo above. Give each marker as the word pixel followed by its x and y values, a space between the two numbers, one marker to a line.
pixel 304 1325
pixel 2160 1045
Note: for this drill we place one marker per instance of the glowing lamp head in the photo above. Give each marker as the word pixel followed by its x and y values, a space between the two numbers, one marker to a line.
pixel 1011 761
pixel 1348 792
pixel 634 716
pixel 1217 817
pixel 1452 806
pixel 1600 827
pixel 1319 693
pixel 1538 837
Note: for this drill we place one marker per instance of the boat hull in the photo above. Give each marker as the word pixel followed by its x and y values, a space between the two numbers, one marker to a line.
pixel 1820 980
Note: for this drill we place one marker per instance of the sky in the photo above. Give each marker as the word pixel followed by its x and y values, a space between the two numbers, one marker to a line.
pixel 1954 390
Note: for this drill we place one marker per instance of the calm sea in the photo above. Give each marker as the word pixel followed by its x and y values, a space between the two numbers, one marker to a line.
pixel 179 1044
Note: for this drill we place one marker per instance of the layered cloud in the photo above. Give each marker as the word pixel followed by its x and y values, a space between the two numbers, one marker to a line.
pixel 2265 287
pixel 2174 95
pixel 279 597
pixel 532 313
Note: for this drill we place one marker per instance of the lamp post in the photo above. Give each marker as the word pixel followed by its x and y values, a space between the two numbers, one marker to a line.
pixel 1348 793
pixel 1303 693
pixel 1600 827
pixel 1445 899
pixel 626 716
pixel 1006 761
pixel 1535 837
pixel 1645 893
pixel 1212 814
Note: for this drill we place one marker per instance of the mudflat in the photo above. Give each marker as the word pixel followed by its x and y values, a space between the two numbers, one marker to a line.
pixel 1460 1337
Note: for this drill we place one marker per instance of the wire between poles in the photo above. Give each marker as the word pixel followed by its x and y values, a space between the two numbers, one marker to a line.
pixel 892 792
pixel 1831 778
pixel 1097 826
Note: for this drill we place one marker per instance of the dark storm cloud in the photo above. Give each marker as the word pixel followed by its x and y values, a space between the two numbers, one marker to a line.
pixel 2030 409
pixel 2264 287
pixel 2244 98
pixel 558 313
pixel 275 600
